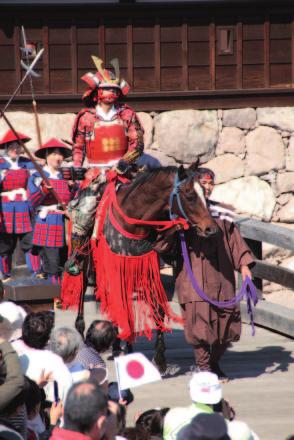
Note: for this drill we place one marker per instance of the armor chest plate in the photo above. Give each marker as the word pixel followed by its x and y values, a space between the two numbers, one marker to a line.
pixel 15 179
pixel 108 142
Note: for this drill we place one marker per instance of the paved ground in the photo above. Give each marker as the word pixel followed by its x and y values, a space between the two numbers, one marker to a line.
pixel 262 371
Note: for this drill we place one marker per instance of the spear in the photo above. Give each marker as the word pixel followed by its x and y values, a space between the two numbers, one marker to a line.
pixel 34 103
pixel 28 72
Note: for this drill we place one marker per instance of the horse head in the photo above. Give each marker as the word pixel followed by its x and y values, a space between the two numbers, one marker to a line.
pixel 190 202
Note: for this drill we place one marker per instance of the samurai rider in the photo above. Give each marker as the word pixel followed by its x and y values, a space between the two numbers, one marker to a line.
pixel 15 214
pixel 107 134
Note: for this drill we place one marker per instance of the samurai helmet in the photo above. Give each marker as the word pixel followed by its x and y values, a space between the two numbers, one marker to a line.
pixel 105 79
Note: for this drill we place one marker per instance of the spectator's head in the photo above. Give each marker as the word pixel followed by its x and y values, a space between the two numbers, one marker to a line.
pixel 85 410
pixel 15 315
pixel 100 335
pixel 152 421
pixel 99 375
pixel 205 427
pixel 33 399
pixel 65 342
pixel 137 433
pixel 205 388
pixel 240 431
pixel 36 329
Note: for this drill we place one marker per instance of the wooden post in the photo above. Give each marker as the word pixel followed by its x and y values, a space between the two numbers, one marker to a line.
pixel 267 53
pixel 157 60
pixel 212 54
pixel 46 59
pixel 239 55
pixel 185 56
pixel 74 63
pixel 130 52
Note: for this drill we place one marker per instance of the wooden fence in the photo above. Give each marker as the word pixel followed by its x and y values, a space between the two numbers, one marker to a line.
pixel 255 233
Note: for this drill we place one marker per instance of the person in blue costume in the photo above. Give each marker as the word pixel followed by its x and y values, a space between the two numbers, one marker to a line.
pixel 15 214
pixel 49 231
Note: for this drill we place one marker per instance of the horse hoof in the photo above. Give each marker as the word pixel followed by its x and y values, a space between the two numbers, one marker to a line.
pixel 160 362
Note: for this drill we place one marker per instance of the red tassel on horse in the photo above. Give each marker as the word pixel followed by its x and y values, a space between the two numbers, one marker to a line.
pixel 71 290
pixel 131 292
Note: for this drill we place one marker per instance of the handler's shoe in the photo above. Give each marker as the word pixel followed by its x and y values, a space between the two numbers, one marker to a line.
pixel 222 377
pixel 6 278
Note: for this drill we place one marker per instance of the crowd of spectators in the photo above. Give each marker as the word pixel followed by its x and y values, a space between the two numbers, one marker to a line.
pixel 54 385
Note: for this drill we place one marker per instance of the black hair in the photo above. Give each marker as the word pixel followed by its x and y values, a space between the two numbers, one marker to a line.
pixel 36 329
pixel 84 404
pixel 153 420
pixel 100 335
pixel 34 396
pixel 136 433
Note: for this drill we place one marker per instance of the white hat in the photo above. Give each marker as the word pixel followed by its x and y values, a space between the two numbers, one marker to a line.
pixel 15 315
pixel 238 430
pixel 205 388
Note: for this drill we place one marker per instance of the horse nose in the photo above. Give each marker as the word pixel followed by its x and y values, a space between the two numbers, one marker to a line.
pixel 210 231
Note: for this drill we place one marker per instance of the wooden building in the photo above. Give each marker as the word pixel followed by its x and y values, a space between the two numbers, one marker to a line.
pixel 175 54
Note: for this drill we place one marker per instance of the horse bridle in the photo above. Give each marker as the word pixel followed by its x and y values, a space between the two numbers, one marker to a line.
pixel 176 194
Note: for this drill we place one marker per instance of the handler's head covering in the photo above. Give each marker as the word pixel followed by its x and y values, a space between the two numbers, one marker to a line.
pixel 53 143
pixel 104 78
pixel 205 427
pixel 205 388
pixel 10 137
pixel 206 172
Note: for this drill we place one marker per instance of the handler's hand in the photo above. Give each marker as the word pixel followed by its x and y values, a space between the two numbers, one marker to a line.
pixel 246 272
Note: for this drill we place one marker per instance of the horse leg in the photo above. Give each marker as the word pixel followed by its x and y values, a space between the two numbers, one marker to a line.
pixel 80 321
pixel 159 353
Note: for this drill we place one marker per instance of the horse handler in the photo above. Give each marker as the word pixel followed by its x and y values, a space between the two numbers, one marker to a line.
pixel 210 329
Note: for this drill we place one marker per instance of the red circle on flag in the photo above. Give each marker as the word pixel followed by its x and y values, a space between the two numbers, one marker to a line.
pixel 135 369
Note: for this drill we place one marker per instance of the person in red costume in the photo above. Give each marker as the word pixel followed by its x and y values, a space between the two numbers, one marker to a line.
pixel 107 135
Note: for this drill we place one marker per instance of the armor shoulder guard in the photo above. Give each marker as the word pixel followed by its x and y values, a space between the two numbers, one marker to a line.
pixel 26 163
pixel 4 165
pixel 81 113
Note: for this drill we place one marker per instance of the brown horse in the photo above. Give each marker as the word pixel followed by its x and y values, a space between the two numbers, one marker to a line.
pixel 147 198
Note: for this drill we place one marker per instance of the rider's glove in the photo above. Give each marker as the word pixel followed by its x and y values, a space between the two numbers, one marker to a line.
pixel 122 166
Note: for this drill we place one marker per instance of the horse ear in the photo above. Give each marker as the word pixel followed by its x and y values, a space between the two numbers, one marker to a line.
pixel 194 165
pixel 182 173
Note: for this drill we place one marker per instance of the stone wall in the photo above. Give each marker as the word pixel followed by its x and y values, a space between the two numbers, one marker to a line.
pixel 251 151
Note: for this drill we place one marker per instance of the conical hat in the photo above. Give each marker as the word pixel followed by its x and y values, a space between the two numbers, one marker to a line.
pixel 10 137
pixel 51 144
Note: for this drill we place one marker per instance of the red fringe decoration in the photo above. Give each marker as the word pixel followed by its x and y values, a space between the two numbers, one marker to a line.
pixel 71 290
pixel 131 292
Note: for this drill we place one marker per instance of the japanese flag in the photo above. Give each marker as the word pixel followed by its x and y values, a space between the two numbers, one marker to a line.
pixel 135 369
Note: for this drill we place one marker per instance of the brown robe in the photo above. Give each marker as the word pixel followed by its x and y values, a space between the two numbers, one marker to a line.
pixel 213 261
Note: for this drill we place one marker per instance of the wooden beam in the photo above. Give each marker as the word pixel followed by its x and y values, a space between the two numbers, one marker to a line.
pixel 157 57
pixel 267 232
pixel 130 52
pixel 239 55
pixel 46 74
pixel 266 46
pixel 212 55
pixel 74 59
pixel 275 274
pixel 185 72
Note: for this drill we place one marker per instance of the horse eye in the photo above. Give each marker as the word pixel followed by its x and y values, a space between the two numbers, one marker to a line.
pixel 191 196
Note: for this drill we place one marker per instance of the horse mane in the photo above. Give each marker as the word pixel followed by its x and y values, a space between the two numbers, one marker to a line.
pixel 146 176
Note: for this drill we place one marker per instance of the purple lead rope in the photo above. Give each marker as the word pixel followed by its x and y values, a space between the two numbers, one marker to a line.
pixel 247 289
